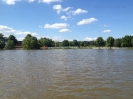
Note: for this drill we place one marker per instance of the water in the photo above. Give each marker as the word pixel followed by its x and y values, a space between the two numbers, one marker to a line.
pixel 66 74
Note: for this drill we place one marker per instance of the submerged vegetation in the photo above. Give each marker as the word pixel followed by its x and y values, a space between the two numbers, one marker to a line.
pixel 31 42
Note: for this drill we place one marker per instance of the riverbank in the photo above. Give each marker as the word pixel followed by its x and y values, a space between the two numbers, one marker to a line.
pixel 50 48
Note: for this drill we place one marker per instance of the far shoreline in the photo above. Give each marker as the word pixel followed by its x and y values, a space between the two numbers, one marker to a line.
pixel 52 48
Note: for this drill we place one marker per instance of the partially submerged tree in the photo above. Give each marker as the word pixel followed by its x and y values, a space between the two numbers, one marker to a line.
pixel 30 42
pixel 65 43
pixel 100 41
pixel 13 38
pixel 2 41
pixel 110 41
pixel 126 41
pixel 46 42
pixel 9 44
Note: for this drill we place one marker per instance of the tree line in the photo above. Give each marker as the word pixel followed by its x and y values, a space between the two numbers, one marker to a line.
pixel 31 42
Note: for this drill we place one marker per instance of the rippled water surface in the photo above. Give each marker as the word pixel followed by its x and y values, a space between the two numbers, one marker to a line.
pixel 66 74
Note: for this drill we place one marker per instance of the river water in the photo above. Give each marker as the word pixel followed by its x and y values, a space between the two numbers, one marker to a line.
pixel 66 74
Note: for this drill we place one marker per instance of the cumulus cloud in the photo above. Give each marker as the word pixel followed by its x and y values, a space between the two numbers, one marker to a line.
pixel 56 26
pixel 31 0
pixel 87 21
pixel 106 31
pixel 78 11
pixel 90 39
pixel 59 8
pixel 65 30
pixel 49 1
pixel 64 17
pixel 10 2
pixel 8 30
pixel 66 9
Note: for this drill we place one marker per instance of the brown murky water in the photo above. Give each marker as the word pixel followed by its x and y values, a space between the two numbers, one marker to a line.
pixel 66 74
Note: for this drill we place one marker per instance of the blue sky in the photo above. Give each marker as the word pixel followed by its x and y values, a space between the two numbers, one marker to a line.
pixel 66 19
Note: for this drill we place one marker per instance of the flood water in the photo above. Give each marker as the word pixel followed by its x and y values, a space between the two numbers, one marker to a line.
pixel 66 74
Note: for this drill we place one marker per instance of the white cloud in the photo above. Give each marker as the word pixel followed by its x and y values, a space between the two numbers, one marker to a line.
pixel 8 30
pixel 64 17
pixel 59 8
pixel 50 1
pixel 64 30
pixel 56 26
pixel 106 31
pixel 66 9
pixel 10 2
pixel 87 21
pixel 90 39
pixel 78 11
pixel 31 0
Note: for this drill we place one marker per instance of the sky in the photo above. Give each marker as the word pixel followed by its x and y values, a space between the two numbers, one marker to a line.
pixel 83 20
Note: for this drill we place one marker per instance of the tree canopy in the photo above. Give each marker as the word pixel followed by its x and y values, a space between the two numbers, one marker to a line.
pixel 110 41
pixel 9 44
pixel 30 42
pixel 2 41
pixel 65 43
pixel 13 38
pixel 100 41
pixel 46 42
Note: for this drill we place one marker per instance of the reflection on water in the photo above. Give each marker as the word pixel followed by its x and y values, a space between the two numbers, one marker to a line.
pixel 66 74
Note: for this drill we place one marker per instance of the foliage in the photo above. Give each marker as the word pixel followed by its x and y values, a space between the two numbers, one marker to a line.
pixel 132 41
pixel 65 43
pixel 100 41
pixel 74 43
pixel 13 38
pixel 110 41
pixel 126 41
pixel 46 42
pixel 117 42
pixel 30 42
pixel 2 41
pixel 9 44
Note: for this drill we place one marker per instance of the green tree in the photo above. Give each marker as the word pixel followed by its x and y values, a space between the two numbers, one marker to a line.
pixel 126 41
pixel 30 42
pixel 13 38
pixel 65 43
pixel 117 42
pixel 46 42
pixel 100 41
pixel 2 41
pixel 132 42
pixel 9 44
pixel 74 43
pixel 81 43
pixel 92 43
pixel 110 41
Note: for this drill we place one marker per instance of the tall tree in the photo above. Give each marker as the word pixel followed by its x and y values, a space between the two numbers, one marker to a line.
pixel 30 42
pixel 75 43
pixel 65 43
pixel 117 42
pixel 100 41
pixel 110 41
pixel 2 41
pixel 132 42
pixel 9 44
pixel 46 42
pixel 126 41
pixel 13 38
